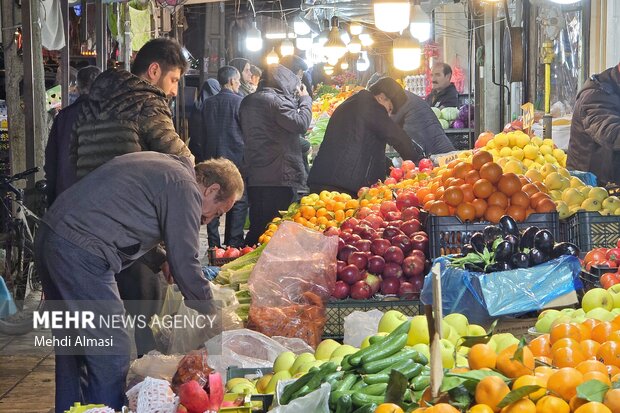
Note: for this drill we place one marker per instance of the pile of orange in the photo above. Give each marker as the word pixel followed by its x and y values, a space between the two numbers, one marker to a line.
pixel 480 190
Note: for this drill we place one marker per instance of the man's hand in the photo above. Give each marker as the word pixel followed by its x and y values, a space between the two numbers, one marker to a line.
pixel 165 269
pixel 302 90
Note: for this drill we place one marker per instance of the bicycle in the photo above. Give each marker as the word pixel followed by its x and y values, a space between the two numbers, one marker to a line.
pixel 17 241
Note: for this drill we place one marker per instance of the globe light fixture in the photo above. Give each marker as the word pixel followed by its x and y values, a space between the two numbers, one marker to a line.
pixel 329 70
pixel 420 26
pixel 355 28
pixel 391 15
pixel 406 52
pixel 324 35
pixel 334 48
pixel 253 39
pixel 362 63
pixel 355 45
pixel 300 26
pixel 344 65
pixel 344 35
pixel 287 48
pixel 273 58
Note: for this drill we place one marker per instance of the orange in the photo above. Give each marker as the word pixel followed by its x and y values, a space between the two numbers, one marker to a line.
pixel 521 199
pixel 490 391
pixel 389 408
pixel 530 189
pixel 480 408
pixel 609 353
pixel 567 357
pixel 453 196
pixel 564 382
pixel 546 205
pixel 461 169
pixel 589 348
pixel 442 408
pixel 520 406
pixel 552 404
pixel 481 207
pixel 545 360
pixel 612 400
pixel 468 192
pixel 597 375
pixel 591 323
pixel 509 184
pixel 593 407
pixel 491 171
pixel 483 188
pixel 536 198
pixel 516 212
pixel 541 346
pixel 499 199
pixel 530 380
pixel 565 342
pixel 514 368
pixel 494 213
pixel 591 365
pixel 466 211
pixel 576 403
pixel 565 330
pixel 544 371
pixel 472 177
pixel 614 336
pixel 481 355
pixel 480 158
pixel 585 330
pixel 440 209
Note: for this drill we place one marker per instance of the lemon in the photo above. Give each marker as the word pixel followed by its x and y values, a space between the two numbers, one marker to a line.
pixel 559 153
pixel 536 140
pixel 528 163
pixel 576 182
pixel 514 166
pixel 530 152
pixel 548 142
pixel 490 144
pixel 518 153
pixel 548 168
pixel 501 140
pixel 522 139
pixel 505 152
pixel 591 205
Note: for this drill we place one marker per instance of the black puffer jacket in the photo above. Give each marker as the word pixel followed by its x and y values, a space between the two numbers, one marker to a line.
pixel 594 144
pixel 123 114
pixel 420 123
pixel 272 120
pixel 352 154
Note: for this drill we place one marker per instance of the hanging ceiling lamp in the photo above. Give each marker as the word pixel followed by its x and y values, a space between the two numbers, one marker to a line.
pixel 329 70
pixel 354 46
pixel 344 65
pixel 253 39
pixel 335 48
pixel 362 63
pixel 366 39
pixel 420 26
pixel 406 52
pixel 287 48
pixel 391 15
pixel 324 35
pixel 355 28
pixel 303 42
pixel 272 57
pixel 300 26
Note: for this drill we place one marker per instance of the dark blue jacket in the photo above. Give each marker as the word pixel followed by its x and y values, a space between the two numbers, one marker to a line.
pixel 221 131
pixel 59 171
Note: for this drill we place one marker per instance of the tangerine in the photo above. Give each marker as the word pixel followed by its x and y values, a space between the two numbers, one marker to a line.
pixel 567 356
pixel 509 184
pixel 564 382
pixel 609 353
pixel 520 406
pixel 532 380
pixel 576 403
pixel 591 365
pixel 602 331
pixel 597 375
pixel 564 330
pixel 389 408
pixel 593 407
pixel 480 356
pixel 552 404
pixel 509 367
pixel 466 212
pixel 494 213
pixel 442 408
pixel 499 199
pixel 612 400
pixel 589 348
pixel 481 207
pixel 480 408
pixel 584 330
pixel 541 346
pixel 490 391
pixel 480 158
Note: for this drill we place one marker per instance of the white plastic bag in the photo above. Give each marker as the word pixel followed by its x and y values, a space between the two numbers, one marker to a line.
pixel 315 402
pixel 360 324
pixel 156 365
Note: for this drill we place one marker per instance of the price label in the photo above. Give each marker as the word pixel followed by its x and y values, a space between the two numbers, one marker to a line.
pixel 528 115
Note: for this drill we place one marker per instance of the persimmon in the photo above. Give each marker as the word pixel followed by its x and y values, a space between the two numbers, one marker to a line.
pixel 509 184
pixel 440 208
pixel 461 169
pixel 494 213
pixel 520 198
pixel 491 171
pixel 516 212
pixel 453 196
pixel 466 212
pixel 483 188
pixel 498 199
pixel 530 189
pixel 481 207
pixel 545 206
pixel 472 177
pixel 480 158
pixel 468 192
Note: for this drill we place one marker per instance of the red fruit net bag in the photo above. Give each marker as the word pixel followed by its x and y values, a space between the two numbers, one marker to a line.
pixel 291 282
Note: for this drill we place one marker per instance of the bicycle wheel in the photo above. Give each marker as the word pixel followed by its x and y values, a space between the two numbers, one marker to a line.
pixel 14 263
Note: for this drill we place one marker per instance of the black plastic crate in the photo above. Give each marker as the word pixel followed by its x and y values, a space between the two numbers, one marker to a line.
pixel 337 310
pixel 599 271
pixel 266 399
pixel 217 262
pixel 447 235
pixel 589 230
pixel 590 280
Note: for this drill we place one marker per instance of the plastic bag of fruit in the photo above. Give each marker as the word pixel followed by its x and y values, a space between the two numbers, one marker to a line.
pixel 293 278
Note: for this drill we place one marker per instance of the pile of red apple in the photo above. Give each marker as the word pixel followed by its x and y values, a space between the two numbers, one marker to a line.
pixel 231 252
pixel 382 252
pixel 408 170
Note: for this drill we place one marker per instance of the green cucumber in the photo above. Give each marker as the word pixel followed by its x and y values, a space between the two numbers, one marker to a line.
pixel 386 348
pixel 333 377
pixel 376 389
pixel 345 363
pixel 294 387
pixel 346 383
pixel 324 371
pixel 359 384
pixel 421 382
pixel 368 408
pixel 356 358
pixel 336 395
pixel 378 365
pixel 375 339
pixel 361 399
pixel 408 368
pixel 344 404
pixel 420 358
pixel 301 392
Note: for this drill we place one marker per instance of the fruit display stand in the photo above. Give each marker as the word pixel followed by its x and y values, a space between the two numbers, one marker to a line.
pixel 589 230
pixel 337 310
pixel 448 234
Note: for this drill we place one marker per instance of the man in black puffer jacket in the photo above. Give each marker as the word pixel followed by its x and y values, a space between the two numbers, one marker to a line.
pixel 128 112
pixel 594 144
pixel 352 154
pixel 272 119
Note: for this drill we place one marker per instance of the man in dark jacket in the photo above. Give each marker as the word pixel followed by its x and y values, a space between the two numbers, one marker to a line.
pixel 59 171
pixel 222 138
pixel 594 144
pixel 352 154
pixel 420 123
pixel 210 87
pixel 104 223
pixel 128 112
pixel 444 93
pixel 272 120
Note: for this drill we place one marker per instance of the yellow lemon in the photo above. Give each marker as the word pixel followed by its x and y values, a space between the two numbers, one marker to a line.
pixel 501 140
pixel 563 210
pixel 536 140
pixel 549 158
pixel 530 151
pixel 546 150
pixel 522 139
pixel 505 152
pixel 518 153
pixel 576 182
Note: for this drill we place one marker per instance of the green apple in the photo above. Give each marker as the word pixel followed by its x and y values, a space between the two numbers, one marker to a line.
pixel 453 336
pixel 344 350
pixel 461 361
pixel 504 340
pixel 550 312
pixel 418 331
pixel 543 325
pixel 458 322
pixel 447 353
pixel 568 311
pixel 325 349
pixel 579 313
pixel 284 361
pixel 597 298
pixel 563 319
pixel 390 320
pixel 614 290
pixel 615 311
pixel 281 375
pixel 423 349
pixel 476 330
pixel 463 350
pixel 366 341
pixel 301 359
pixel 446 329
pixel 243 388
pixel 600 314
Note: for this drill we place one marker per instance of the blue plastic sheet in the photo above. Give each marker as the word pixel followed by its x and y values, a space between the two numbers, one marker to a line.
pixel 482 297
pixel 7 305
pixel 210 272
pixel 588 178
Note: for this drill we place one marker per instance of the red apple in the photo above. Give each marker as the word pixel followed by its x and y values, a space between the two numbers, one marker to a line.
pixel 361 290
pixel 413 266
pixel 390 181
pixel 419 242
pixel 406 199
pixel 410 227
pixel 374 221
pixel 393 216
pixel 387 206
pixel 396 173
pixel 363 212
pixel 410 213
pixel 379 246
pixel 407 165
pixel 390 285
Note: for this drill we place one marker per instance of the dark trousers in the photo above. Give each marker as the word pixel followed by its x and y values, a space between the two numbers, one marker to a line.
pixel 265 204
pixel 70 274
pixel 140 290
pixel 235 221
